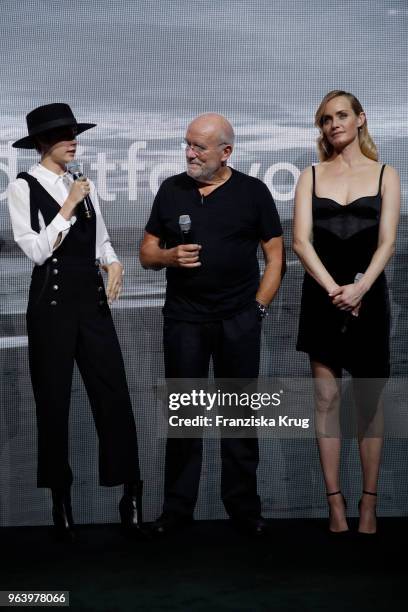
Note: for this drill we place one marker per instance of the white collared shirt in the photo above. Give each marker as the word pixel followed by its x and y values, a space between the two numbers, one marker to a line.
pixel 40 246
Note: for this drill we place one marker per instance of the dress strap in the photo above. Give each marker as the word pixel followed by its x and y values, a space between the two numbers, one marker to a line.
pixel 314 180
pixel 381 176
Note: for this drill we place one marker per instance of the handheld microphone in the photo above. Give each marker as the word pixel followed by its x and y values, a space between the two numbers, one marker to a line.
pixel 75 169
pixel 185 229
pixel 349 316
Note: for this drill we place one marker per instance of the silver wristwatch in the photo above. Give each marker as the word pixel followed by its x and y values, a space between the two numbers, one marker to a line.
pixel 262 310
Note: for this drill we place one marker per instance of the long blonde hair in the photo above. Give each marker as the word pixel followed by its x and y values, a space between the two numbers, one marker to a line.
pixel 324 148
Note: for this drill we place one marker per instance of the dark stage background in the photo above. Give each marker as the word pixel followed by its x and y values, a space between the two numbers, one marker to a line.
pixel 142 71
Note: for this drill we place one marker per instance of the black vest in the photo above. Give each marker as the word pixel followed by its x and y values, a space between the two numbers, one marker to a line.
pixel 80 241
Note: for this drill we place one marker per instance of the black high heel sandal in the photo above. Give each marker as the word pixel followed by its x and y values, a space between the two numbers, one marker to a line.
pixel 344 531
pixel 368 533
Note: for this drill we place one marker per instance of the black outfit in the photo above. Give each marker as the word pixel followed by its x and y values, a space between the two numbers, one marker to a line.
pixel 210 312
pixel 228 224
pixel 68 319
pixel 345 238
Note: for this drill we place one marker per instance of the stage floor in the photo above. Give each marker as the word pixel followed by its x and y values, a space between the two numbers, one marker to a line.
pixel 209 566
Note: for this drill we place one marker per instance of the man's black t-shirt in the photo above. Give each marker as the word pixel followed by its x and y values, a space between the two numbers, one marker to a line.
pixel 228 224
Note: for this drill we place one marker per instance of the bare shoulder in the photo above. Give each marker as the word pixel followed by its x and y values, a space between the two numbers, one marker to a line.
pixel 304 190
pixel 306 177
pixel 391 174
pixel 391 189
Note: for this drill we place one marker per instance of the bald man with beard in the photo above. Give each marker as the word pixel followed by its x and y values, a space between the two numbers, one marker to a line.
pixel 215 303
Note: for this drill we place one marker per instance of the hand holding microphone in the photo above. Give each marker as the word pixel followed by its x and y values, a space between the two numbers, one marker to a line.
pixel 185 229
pixel 348 302
pixel 347 297
pixel 81 187
pixel 187 254
pixel 79 190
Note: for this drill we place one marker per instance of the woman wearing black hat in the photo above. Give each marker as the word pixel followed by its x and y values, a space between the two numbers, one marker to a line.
pixel 68 316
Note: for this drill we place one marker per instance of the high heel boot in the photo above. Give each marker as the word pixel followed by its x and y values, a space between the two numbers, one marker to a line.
pixel 131 509
pixel 62 513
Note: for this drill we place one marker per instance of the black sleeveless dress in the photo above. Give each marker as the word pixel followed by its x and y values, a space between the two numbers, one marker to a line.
pixel 345 238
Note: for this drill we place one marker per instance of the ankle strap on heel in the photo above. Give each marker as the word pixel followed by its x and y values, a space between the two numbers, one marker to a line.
pixel 334 493
pixel 369 493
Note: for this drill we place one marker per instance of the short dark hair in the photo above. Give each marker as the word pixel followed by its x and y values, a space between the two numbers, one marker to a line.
pixel 38 145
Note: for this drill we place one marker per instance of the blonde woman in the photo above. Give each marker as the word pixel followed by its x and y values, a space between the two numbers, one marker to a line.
pixel 346 216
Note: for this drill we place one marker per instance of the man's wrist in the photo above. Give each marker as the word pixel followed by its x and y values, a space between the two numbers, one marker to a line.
pixel 166 258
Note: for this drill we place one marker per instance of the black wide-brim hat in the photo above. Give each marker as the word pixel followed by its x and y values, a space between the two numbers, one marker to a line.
pixel 49 117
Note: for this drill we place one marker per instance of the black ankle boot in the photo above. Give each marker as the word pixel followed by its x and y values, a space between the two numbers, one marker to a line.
pixel 131 510
pixel 62 513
